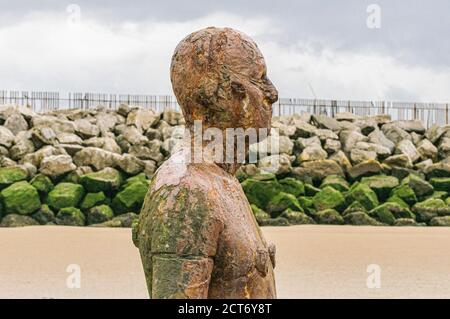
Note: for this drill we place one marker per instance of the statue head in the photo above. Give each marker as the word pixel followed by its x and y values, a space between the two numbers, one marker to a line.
pixel 219 77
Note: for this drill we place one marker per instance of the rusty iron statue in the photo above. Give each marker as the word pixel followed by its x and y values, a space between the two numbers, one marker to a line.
pixel 197 235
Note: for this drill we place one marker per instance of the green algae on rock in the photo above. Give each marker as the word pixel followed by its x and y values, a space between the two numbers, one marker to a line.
pixel 99 214
pixel 329 217
pixel 440 221
pixel 15 220
pixel 130 199
pixel 10 175
pixel 260 192
pixel 259 214
pixel 363 194
pixel 329 197
pixel 44 215
pixel 93 199
pixel 65 195
pixel 382 185
pixel 297 217
pixel 281 202
pixel 406 193
pixel 70 216
pixel 20 198
pixel 337 182
pixel 359 218
pixel 420 186
pixel 430 208
pixel 106 180
pixel 292 186
pixel 42 183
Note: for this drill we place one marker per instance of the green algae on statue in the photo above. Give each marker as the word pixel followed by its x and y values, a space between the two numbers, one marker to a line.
pixel 197 235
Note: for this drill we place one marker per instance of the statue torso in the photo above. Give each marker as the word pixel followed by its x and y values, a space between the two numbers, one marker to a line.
pixel 242 265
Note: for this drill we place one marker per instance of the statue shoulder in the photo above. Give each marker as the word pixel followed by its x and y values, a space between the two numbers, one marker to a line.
pixel 182 218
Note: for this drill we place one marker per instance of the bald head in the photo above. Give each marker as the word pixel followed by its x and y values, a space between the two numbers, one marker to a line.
pixel 219 77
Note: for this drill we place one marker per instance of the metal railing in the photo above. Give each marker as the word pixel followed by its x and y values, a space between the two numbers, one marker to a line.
pixel 428 113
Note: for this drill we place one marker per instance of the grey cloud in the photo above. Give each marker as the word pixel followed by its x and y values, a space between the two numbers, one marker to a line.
pixel 414 30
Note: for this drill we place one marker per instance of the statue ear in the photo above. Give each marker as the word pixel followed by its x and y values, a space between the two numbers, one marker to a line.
pixel 206 92
pixel 238 89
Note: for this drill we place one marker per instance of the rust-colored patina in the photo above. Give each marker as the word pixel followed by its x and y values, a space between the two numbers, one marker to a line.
pixel 196 234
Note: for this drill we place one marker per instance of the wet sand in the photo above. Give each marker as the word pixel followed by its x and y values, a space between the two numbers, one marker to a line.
pixel 312 262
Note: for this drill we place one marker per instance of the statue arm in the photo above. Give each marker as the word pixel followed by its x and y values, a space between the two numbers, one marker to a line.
pixel 185 277
pixel 180 248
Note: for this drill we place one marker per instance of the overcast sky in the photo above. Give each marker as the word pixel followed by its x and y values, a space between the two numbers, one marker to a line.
pixel 311 47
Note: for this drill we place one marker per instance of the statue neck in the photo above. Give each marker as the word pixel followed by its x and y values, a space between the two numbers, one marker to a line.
pixel 214 148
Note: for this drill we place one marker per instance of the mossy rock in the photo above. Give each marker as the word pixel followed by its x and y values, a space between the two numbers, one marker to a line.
pixel 329 198
pixel 93 199
pixel 383 214
pixel 360 219
pixel 363 194
pixel 112 223
pixel 297 217
pixel 438 194
pixel 310 190
pixel 441 183
pixel 382 185
pixel 20 198
pixel 11 175
pixel 440 221
pixel 420 186
pixel 259 214
pixel 281 202
pixel 395 209
pixel 241 175
pixel 398 200
pixel 264 177
pixel 65 195
pixel 292 186
pixel 354 207
pixel 44 215
pixel 99 214
pixel 447 201
pixel 70 216
pixel 130 199
pixel 73 177
pixel 124 220
pixel 337 182
pixel 329 217
pixel 260 192
pixel 407 222
pixel 42 183
pixel 399 211
pixel 106 180
pixel 430 208
pixel 279 221
pixel 307 204
pixel 15 220
pixel 406 193
pixel 136 178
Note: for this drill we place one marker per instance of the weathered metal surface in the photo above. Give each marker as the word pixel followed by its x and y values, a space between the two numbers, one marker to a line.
pixel 197 235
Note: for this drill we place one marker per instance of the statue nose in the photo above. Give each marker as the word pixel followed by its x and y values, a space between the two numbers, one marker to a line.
pixel 271 93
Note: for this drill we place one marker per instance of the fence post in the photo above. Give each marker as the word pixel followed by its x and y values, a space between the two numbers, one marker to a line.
pixel 446 113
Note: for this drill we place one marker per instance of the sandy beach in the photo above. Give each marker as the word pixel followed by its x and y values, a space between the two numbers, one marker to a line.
pixel 312 262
